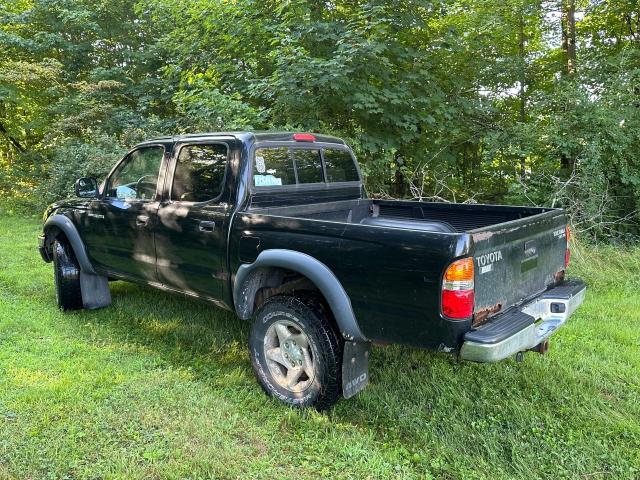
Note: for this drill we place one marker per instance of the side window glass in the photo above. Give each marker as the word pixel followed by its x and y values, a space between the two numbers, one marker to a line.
pixel 273 166
pixel 340 166
pixel 199 174
pixel 308 165
pixel 137 176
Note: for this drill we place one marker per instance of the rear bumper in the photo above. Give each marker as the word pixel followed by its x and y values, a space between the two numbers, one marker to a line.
pixel 524 328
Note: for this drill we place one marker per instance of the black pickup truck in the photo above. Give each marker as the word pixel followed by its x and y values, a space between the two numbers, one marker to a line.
pixel 277 227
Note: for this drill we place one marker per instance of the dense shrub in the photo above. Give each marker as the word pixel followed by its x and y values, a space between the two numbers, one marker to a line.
pixel 77 159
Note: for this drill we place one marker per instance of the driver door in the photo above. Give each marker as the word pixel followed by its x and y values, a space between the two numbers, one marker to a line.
pixel 119 226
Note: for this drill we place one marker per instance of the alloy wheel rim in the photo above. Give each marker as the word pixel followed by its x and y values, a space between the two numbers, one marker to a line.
pixel 289 356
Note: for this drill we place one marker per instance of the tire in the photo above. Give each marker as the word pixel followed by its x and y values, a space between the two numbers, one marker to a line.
pixel 298 328
pixel 66 276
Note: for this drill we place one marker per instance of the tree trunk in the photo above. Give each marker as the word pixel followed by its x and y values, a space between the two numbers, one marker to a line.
pixel 16 144
pixel 568 24
pixel 475 166
pixel 523 84
pixel 400 184
pixel 571 40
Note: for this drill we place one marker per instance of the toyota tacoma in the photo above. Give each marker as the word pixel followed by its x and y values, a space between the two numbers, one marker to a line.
pixel 277 227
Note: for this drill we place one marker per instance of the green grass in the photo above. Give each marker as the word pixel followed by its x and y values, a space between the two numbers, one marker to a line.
pixel 159 386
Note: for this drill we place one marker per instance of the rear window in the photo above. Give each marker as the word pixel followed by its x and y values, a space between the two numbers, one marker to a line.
pixel 308 165
pixel 277 166
pixel 340 166
pixel 273 167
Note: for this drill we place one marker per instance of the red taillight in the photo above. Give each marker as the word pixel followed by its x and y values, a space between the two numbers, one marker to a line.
pixel 457 304
pixel 567 253
pixel 304 137
pixel 457 290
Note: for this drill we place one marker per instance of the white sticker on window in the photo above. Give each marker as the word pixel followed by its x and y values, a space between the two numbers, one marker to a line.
pixel 260 166
pixel 266 180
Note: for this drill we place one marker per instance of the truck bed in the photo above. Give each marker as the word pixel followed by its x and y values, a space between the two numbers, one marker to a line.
pixel 518 251
pixel 422 216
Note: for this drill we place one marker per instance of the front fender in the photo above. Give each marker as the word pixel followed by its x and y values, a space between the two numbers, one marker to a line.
pixel 316 271
pixel 65 225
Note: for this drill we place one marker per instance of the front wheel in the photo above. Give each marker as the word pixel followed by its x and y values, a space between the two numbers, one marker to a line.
pixel 66 276
pixel 296 353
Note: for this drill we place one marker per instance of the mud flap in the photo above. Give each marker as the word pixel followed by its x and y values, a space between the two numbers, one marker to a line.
pixel 95 291
pixel 355 367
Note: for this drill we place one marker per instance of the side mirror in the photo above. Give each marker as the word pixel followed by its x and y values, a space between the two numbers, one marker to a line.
pixel 86 187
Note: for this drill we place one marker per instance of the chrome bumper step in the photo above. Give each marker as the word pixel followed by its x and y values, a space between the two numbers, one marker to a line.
pixel 523 328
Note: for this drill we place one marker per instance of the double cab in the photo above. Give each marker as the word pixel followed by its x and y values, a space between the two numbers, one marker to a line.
pixel 277 227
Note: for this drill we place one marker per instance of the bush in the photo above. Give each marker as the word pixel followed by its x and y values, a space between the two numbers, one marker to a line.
pixel 73 160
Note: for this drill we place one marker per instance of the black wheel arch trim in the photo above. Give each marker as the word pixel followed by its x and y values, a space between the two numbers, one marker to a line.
pixel 317 272
pixel 71 232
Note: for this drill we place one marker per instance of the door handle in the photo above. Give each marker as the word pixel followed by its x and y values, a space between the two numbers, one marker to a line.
pixel 206 226
pixel 142 220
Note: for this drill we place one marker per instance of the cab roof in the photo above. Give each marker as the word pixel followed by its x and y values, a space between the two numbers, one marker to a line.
pixel 244 136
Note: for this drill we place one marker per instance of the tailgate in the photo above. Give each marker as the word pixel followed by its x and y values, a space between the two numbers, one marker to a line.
pixel 516 260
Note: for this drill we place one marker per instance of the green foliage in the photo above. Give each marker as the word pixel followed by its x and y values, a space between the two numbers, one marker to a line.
pixel 78 159
pixel 463 100
pixel 205 108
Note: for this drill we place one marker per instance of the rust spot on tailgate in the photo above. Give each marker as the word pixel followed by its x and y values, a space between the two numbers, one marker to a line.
pixel 477 237
pixel 482 315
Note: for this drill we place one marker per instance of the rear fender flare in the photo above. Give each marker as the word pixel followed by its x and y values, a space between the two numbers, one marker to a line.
pixel 317 272
pixel 66 226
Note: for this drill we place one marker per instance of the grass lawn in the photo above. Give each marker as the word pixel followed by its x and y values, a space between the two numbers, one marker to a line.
pixel 159 386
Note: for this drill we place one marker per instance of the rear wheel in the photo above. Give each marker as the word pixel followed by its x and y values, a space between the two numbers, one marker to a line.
pixel 296 352
pixel 66 276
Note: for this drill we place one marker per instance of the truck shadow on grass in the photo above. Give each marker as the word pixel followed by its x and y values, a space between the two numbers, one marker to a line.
pixel 212 343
